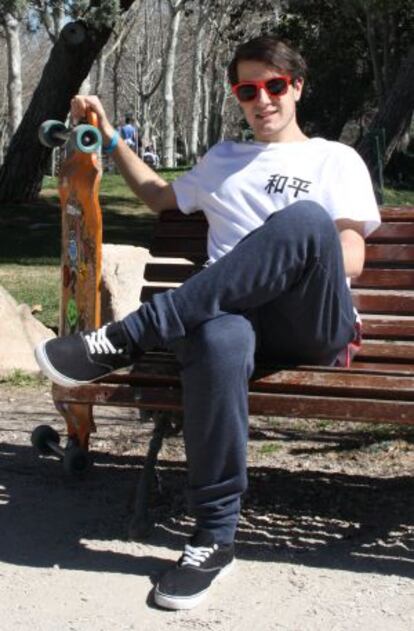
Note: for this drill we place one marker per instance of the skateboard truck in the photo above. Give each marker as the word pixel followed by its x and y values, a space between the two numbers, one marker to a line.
pixel 85 138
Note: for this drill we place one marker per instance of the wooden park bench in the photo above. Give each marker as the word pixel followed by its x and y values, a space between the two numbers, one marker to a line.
pixel 377 388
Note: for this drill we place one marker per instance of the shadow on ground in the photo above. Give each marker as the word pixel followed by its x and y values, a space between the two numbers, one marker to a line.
pixel 313 518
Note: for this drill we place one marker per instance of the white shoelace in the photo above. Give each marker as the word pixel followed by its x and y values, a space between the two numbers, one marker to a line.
pixel 195 556
pixel 99 343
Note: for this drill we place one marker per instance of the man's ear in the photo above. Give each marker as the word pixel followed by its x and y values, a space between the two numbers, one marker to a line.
pixel 298 88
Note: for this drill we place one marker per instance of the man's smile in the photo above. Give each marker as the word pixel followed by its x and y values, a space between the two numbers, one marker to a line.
pixel 267 114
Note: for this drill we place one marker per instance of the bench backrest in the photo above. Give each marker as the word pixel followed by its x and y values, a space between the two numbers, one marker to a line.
pixel 383 294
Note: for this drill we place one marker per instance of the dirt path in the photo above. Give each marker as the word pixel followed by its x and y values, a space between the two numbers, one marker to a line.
pixel 326 541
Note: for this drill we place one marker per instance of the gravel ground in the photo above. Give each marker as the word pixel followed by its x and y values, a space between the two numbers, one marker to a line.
pixel 326 541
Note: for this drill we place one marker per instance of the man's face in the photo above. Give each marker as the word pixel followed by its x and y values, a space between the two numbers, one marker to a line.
pixel 272 118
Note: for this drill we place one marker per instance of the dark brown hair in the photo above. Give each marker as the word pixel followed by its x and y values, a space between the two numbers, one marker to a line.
pixel 271 51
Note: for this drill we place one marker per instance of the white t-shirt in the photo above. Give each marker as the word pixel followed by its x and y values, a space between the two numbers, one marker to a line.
pixel 239 184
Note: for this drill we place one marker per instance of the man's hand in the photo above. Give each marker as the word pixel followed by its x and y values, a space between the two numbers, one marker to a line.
pixel 79 106
pixel 351 235
pixel 143 181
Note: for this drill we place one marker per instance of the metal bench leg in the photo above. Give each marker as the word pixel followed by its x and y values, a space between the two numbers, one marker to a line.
pixel 141 523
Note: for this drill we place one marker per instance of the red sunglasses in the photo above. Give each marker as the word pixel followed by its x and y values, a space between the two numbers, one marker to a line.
pixel 248 90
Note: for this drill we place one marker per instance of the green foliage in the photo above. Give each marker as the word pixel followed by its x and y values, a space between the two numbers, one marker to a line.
pixel 339 80
pixel 97 13
pixel 15 7
pixel 333 37
pixel 395 197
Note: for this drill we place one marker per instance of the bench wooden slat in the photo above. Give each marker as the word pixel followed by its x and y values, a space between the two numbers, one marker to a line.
pixel 291 406
pixel 384 351
pixel 185 229
pixel 384 253
pixel 391 232
pixel 183 247
pixel 385 279
pixel 178 247
pixel 370 278
pixel 344 384
pixel 177 215
pixel 388 327
pixel 354 410
pixel 384 301
pixel 171 273
pixel 388 213
pixel 301 381
pixel 378 367
pixel 397 213
pixel 155 367
pixel 394 232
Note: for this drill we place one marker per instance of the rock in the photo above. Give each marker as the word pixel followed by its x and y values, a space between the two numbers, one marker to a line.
pixel 122 278
pixel 19 333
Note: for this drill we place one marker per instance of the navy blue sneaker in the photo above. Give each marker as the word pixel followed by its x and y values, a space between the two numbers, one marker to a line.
pixel 74 360
pixel 187 584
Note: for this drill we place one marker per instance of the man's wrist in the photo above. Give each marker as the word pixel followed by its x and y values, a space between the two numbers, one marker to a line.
pixel 107 133
pixel 112 143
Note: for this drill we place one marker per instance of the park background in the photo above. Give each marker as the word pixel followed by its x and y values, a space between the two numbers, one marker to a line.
pixel 326 541
pixel 163 62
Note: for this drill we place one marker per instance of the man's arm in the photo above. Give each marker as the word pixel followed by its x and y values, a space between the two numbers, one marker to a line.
pixel 351 235
pixel 155 192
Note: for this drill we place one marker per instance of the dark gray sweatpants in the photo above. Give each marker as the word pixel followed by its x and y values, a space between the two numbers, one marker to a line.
pixel 280 293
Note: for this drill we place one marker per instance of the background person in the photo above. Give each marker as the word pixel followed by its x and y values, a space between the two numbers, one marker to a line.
pixel 129 134
pixel 150 157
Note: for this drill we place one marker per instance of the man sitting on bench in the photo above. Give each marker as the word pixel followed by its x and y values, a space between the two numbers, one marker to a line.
pixel 287 219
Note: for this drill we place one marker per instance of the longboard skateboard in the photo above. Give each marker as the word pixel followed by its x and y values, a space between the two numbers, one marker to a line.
pixel 81 254
pixel 81 267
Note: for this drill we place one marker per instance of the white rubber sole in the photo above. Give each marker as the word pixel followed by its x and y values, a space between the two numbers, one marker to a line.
pixel 188 602
pixel 51 372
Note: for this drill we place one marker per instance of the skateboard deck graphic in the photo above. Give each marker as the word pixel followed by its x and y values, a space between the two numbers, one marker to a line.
pixel 81 243
pixel 81 254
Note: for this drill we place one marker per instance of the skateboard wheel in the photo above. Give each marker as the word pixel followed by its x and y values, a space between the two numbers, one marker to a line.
pixel 41 436
pixel 48 133
pixel 87 138
pixel 76 460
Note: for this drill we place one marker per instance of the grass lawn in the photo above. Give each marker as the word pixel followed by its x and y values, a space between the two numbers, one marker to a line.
pixel 30 238
pixel 398 197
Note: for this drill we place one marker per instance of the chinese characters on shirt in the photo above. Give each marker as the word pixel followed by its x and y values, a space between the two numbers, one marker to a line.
pixel 277 184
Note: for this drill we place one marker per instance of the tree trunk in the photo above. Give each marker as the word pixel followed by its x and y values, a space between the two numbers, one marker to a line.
pixel 217 106
pixel 58 13
pixel 205 112
pixel 100 74
pixel 376 68
pixel 197 70
pixel 168 125
pixel 69 63
pixel 14 62
pixel 145 122
pixel 3 136
pixel 392 118
pixel 116 87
